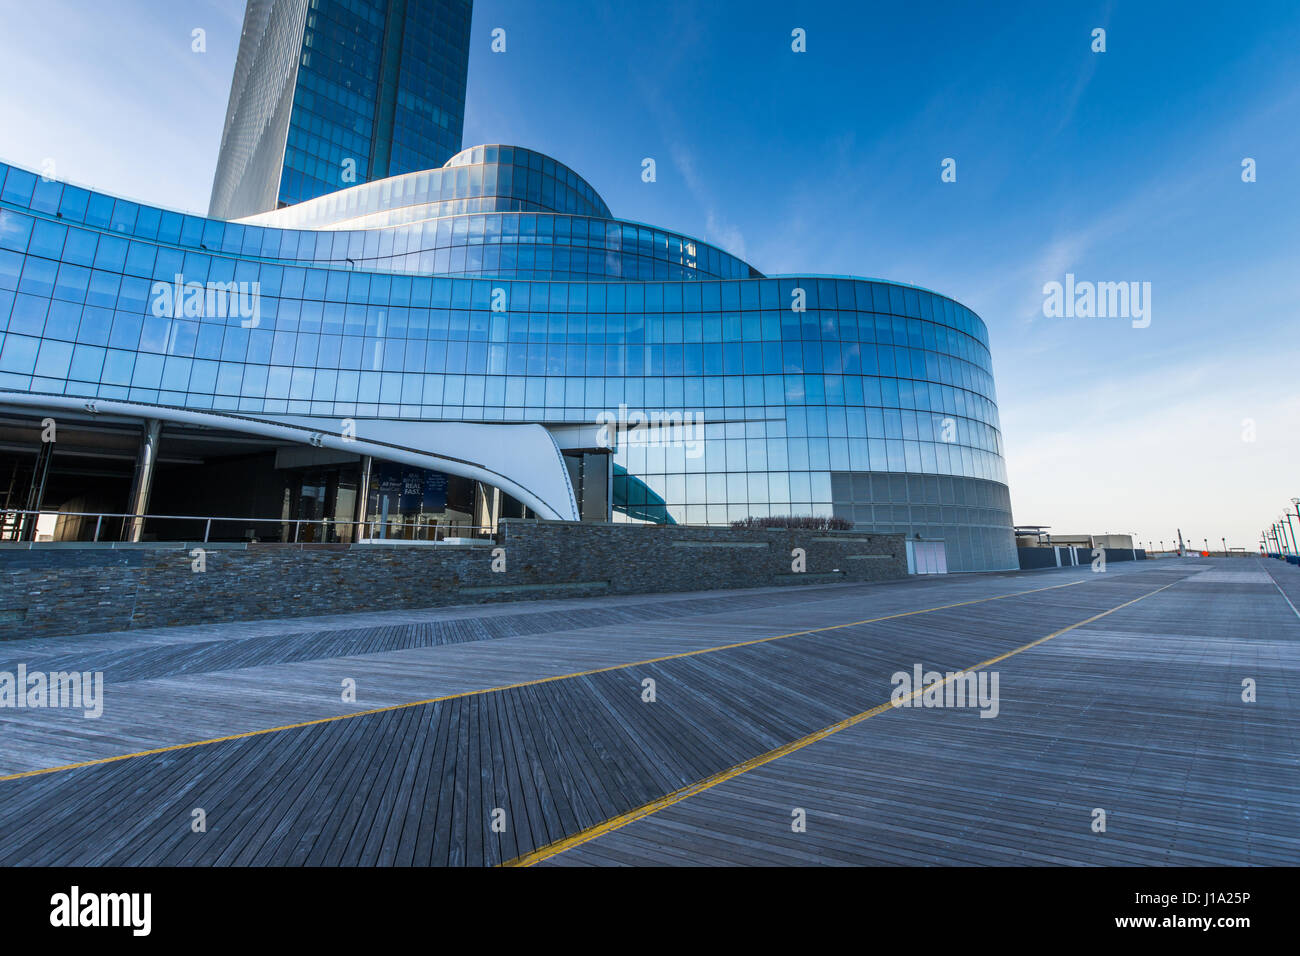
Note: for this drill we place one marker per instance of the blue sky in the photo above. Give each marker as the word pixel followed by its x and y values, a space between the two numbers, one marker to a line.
pixel 1115 166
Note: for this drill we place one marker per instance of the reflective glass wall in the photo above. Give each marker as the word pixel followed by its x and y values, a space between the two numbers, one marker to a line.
pixel 865 399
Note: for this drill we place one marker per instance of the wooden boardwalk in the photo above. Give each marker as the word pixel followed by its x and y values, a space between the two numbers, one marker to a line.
pixel 532 716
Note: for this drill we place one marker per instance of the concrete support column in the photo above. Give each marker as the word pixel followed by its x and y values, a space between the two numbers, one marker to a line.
pixel 329 507
pixel 36 490
pixel 609 487
pixel 363 497
pixel 487 506
pixel 142 483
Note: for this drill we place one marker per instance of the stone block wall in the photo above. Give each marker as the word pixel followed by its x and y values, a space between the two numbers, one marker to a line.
pixel 58 590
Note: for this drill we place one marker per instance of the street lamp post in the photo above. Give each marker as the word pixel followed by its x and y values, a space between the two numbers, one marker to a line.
pixel 1295 503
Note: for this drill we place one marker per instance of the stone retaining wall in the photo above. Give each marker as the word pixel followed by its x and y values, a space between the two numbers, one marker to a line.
pixel 55 590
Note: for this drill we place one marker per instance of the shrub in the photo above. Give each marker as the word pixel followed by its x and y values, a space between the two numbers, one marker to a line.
pixel 802 522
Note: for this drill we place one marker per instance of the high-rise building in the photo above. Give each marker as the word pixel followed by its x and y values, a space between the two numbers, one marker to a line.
pixel 328 94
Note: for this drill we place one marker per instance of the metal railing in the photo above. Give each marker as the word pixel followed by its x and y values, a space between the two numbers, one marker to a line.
pixel 20 525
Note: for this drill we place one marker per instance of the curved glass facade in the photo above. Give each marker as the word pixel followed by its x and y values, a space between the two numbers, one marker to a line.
pixel 860 398
pixel 493 178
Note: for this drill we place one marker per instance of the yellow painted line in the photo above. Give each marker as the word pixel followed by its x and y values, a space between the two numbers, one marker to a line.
pixel 527 683
pixel 708 783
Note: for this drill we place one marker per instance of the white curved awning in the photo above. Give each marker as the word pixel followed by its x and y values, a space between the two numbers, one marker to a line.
pixel 522 460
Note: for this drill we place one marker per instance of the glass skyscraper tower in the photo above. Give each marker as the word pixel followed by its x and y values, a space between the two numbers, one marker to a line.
pixel 331 93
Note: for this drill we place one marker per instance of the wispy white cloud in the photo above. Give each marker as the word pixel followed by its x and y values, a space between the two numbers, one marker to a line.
pixel 720 231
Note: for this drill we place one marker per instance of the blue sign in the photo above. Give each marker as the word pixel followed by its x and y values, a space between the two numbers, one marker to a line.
pixel 412 489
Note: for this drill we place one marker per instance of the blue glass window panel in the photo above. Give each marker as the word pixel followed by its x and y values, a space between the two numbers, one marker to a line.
pixel 203 377
pixel 155 334
pixel 292 283
pixel 95 326
pixel 19 186
pixel 134 294
pixel 196 266
pixel 79 247
pixel 18 355
pixel 168 264
pixel 148 371
pixel 254 384
pixel 234 346
pixel 230 376
pixel 300 384
pixel 176 373
pixel 118 366
pixel 87 363
pixel 63 320
pixel 72 283
pixel 102 290
pixel 259 345
pixel 99 210
pixel 15 230
pixel 126 331
pixel 147 221
pixel 209 341
pixel 28 314
pixel 47 239
pixel 111 253
pixel 169 229
pixel 277 383
pixel 73 205
pixel 221 269
pixel 315 282
pixel 232 241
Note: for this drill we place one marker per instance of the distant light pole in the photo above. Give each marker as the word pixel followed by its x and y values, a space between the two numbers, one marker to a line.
pixel 1295 503
pixel 1225 546
pixel 1283 529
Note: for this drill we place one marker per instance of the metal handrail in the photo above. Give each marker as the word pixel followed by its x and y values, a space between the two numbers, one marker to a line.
pixel 443 530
